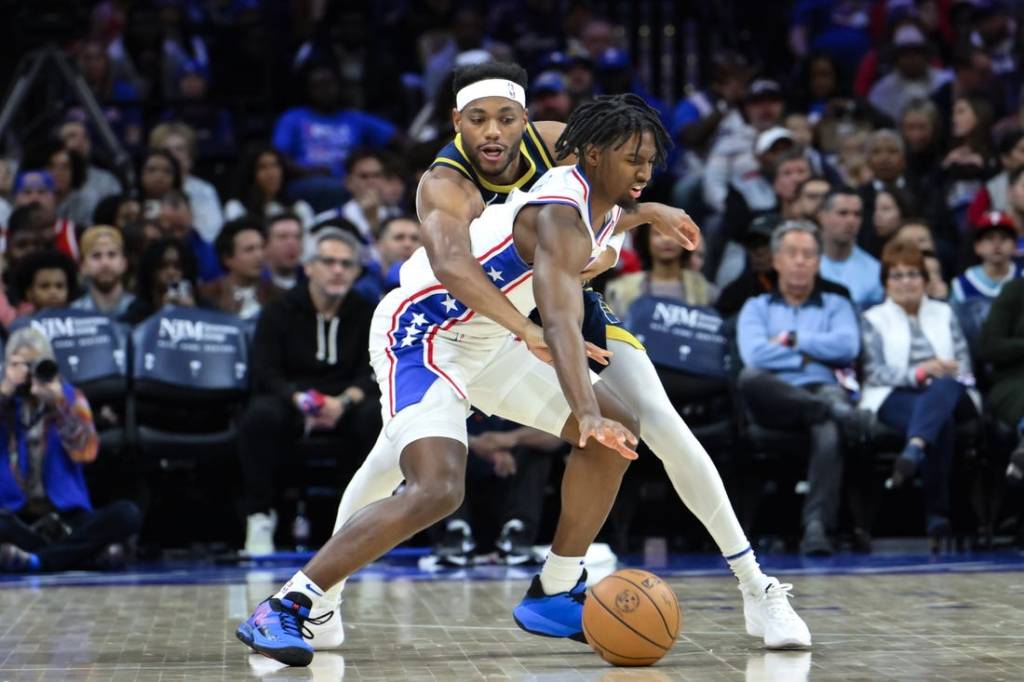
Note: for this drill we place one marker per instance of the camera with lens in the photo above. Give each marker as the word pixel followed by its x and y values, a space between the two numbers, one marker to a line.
pixel 45 369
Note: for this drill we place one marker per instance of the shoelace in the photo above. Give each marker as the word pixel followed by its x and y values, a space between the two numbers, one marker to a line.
pixel 319 620
pixel 777 599
pixel 292 623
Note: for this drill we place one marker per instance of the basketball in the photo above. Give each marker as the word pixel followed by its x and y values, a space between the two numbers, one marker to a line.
pixel 631 618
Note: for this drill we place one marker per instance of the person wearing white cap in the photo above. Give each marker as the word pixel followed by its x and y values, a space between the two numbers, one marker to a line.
pixel 750 193
pixel 912 77
pixel 732 154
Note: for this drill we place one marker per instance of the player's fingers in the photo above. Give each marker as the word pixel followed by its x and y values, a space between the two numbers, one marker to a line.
pixel 598 354
pixel 614 441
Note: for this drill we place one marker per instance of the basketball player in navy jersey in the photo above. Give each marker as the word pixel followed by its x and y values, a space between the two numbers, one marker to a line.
pixel 498 149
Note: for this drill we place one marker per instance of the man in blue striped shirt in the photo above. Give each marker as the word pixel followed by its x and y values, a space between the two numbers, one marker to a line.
pixel 792 340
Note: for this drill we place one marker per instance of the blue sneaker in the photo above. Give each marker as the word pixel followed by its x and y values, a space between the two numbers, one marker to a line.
pixel 277 629
pixel 553 615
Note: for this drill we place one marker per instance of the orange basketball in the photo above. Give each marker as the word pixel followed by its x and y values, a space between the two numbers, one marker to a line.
pixel 632 617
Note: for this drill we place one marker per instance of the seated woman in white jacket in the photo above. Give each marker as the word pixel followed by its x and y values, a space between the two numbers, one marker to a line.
pixel 917 376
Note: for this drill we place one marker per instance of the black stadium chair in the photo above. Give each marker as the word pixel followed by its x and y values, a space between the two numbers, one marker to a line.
pixel 190 375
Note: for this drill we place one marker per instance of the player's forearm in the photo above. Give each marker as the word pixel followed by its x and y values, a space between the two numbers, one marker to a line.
pixel 466 281
pixel 527 437
pixel 570 358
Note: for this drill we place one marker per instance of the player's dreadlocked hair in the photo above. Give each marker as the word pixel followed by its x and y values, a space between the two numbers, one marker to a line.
pixel 610 121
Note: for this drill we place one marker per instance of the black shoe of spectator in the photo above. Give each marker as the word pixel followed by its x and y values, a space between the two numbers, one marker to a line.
pixel 456 546
pixel 14 559
pixel 861 541
pixel 905 467
pixel 815 542
pixel 513 547
pixel 940 532
pixel 113 557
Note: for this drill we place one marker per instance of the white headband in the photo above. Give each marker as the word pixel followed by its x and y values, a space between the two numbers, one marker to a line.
pixel 492 87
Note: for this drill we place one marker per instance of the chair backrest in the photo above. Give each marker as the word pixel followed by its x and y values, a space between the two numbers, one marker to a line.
pixel 88 346
pixel 182 351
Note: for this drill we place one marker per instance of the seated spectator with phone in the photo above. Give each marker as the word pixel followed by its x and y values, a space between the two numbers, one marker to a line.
pixel 167 276
pixel 47 521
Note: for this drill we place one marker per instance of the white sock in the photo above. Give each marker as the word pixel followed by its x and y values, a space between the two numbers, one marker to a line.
pixel 632 377
pixel 560 573
pixel 301 583
pixel 375 480
pixel 746 569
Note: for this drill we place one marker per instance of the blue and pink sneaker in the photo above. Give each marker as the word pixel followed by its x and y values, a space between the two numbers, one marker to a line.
pixel 277 629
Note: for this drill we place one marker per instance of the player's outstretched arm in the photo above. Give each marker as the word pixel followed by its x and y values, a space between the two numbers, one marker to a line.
pixel 668 220
pixel 447 204
pixel 563 248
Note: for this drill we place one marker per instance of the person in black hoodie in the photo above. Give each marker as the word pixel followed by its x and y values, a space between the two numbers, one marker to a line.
pixel 311 371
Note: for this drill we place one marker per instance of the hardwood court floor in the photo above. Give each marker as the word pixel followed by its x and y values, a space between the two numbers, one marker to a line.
pixel 964 625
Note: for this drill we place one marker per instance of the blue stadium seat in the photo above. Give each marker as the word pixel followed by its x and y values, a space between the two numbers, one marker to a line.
pixel 191 376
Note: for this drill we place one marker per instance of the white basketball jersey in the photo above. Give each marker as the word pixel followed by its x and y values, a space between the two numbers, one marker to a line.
pixel 493 246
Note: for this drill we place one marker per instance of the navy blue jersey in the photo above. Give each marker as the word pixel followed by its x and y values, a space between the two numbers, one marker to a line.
pixel 531 148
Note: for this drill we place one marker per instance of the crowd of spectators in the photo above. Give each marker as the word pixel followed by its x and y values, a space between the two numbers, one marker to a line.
pixel 861 199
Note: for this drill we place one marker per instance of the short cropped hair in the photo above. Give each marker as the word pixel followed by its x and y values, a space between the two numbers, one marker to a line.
pixel 788 226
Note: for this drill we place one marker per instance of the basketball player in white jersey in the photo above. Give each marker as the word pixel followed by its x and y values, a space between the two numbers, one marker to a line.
pixel 498 149
pixel 434 357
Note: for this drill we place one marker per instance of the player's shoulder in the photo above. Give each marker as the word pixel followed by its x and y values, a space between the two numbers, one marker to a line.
pixel 446 189
pixel 549 132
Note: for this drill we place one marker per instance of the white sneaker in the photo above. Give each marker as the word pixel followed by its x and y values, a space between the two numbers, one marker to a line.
pixel 259 534
pixel 331 633
pixel 770 616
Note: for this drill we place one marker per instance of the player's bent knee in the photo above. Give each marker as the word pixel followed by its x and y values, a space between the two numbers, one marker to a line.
pixel 437 499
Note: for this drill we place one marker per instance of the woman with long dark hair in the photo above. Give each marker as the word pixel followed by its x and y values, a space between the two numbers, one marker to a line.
pixel 970 162
pixel 260 188
pixel 167 275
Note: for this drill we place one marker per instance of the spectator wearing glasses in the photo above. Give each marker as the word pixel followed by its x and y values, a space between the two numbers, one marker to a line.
pixel 791 340
pixel 311 371
pixel 917 377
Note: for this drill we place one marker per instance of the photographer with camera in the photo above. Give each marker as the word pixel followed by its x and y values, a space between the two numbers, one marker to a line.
pixel 47 522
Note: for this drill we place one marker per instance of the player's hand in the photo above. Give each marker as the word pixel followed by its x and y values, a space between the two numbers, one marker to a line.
pixel 504 464
pixel 533 337
pixel 49 393
pixel 677 224
pixel 608 433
